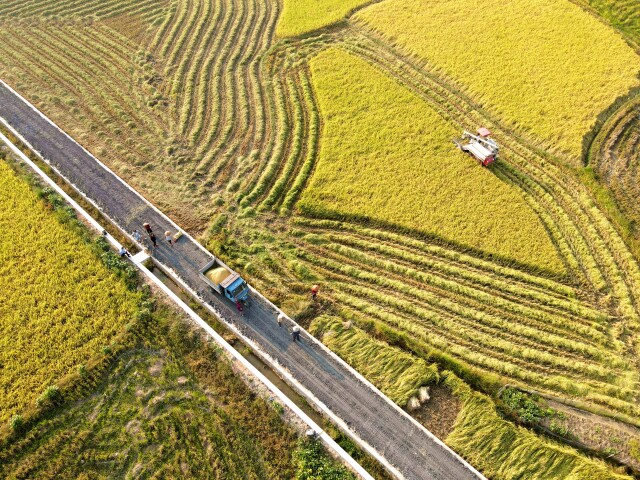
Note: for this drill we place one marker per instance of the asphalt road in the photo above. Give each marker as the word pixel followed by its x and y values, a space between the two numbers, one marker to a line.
pixel 404 445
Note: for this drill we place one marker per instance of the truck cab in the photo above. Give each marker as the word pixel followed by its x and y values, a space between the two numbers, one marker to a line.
pixel 235 288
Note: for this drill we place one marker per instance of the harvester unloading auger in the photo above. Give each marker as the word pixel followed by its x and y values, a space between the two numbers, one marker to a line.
pixel 481 147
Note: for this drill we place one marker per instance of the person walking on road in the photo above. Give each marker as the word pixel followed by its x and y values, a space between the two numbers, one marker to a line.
pixel 147 228
pixel 154 240
pixel 136 236
pixel 239 306
pixel 281 318
pixel 314 292
pixel 295 333
pixel 167 237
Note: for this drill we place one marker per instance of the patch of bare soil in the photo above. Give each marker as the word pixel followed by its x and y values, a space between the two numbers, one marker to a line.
pixel 439 413
pixel 137 468
pixel 156 368
pixel 133 428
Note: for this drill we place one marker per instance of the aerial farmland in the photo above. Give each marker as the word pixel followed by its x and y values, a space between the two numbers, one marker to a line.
pixel 439 198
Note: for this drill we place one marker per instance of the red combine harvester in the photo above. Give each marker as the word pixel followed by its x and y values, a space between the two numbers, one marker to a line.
pixel 484 149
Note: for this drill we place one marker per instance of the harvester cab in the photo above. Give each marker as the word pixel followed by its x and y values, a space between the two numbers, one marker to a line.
pixel 481 147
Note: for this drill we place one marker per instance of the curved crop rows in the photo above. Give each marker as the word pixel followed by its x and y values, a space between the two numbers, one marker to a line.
pixel 212 53
pixel 582 232
pixel 443 300
pixel 73 55
pixel 148 9
pixel 292 144
pixel 615 155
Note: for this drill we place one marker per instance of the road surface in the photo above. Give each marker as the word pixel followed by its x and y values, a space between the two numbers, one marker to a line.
pixel 395 436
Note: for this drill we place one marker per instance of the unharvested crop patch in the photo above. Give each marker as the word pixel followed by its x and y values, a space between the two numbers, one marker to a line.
pixel 60 304
pixel 504 451
pixel 386 155
pixel 302 16
pixel 402 375
pixel 546 67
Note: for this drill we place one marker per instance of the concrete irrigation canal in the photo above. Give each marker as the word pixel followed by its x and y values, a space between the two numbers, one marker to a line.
pixel 394 437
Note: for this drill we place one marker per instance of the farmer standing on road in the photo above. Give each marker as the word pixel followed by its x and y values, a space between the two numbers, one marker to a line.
pixel 154 240
pixel 280 319
pixel 167 237
pixel 147 228
pixel 295 333
pixel 239 306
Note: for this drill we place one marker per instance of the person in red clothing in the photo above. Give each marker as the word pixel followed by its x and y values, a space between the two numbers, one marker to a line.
pixel 314 292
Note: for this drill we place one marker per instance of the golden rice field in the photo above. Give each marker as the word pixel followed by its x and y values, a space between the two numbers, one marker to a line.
pixel 546 67
pixel 54 289
pixel 386 155
pixel 303 16
pixel 326 157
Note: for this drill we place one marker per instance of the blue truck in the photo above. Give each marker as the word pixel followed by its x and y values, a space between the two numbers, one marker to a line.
pixel 225 281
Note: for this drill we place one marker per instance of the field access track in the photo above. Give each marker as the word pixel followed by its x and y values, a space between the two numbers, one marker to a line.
pixel 318 374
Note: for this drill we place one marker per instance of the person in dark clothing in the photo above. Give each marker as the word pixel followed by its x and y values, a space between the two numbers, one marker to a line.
pixel 239 306
pixel 147 228
pixel 124 252
pixel 153 240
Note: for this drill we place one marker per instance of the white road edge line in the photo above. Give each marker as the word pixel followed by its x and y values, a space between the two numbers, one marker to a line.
pixel 177 228
pixel 329 442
